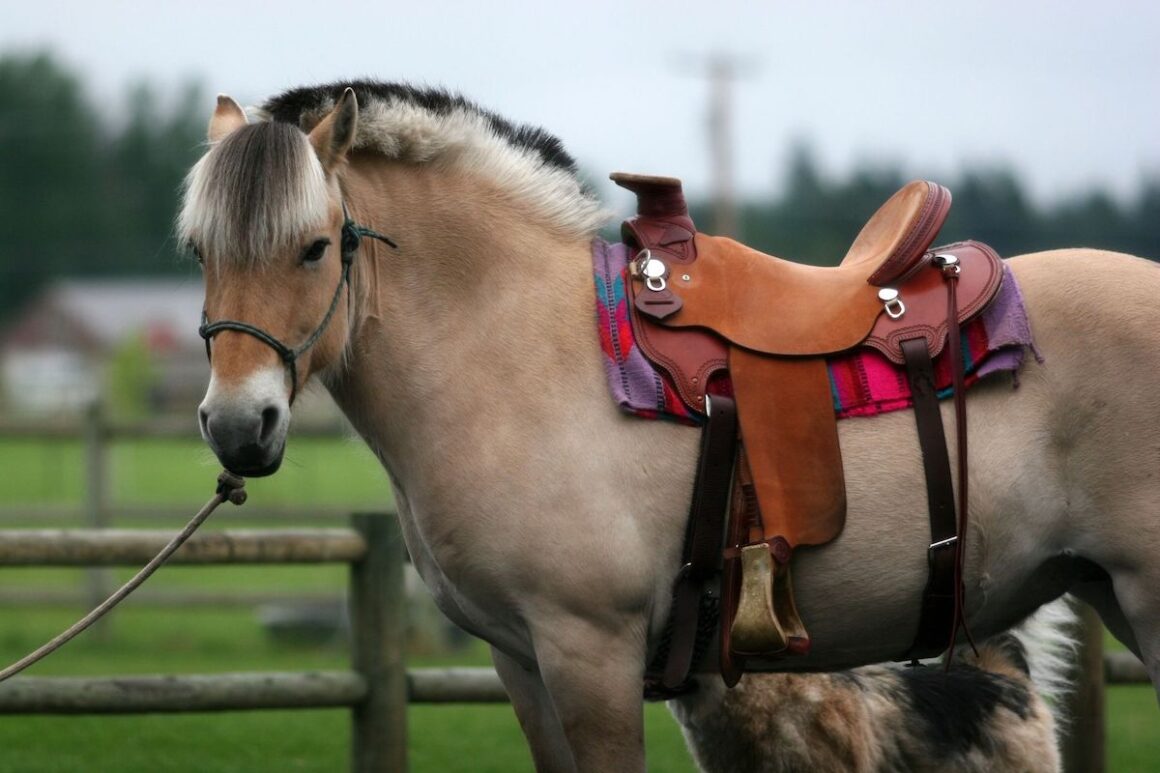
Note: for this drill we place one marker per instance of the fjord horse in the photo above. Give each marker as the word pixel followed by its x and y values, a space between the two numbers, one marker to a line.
pixel 545 521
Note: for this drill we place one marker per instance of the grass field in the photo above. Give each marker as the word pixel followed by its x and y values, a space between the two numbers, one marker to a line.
pixel 198 640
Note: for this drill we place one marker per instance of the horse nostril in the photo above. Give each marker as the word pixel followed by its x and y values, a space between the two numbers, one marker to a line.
pixel 203 421
pixel 271 418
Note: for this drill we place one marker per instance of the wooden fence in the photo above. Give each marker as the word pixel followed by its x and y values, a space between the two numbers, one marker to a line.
pixel 365 687
pixel 376 689
pixel 96 433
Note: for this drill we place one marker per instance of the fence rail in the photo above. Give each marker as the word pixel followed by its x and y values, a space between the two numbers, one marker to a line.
pixel 148 694
pixel 376 689
pixel 127 547
pixel 235 692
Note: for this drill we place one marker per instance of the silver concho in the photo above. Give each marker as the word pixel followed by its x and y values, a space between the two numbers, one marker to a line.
pixel 653 271
pixel 892 302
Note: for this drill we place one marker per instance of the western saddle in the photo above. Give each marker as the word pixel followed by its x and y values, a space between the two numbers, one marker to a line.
pixel 744 338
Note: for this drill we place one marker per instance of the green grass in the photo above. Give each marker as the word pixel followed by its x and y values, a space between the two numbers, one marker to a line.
pixel 182 473
pixel 195 640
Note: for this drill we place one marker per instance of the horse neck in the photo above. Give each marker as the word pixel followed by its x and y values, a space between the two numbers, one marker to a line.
pixel 479 313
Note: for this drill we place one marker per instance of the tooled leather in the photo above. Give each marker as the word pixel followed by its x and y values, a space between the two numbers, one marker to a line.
pixel 691 353
pixel 689 357
pixel 776 306
pixel 921 234
pixel 671 238
pixel 780 308
pixel 924 295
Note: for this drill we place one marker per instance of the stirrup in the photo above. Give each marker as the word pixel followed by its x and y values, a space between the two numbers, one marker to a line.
pixel 766 590
pixel 755 628
pixel 797 639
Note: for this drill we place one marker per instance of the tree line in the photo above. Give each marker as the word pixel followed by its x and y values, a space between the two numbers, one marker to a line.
pixel 816 218
pixel 85 193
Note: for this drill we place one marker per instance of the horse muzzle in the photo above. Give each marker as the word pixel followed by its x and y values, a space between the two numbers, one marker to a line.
pixel 246 432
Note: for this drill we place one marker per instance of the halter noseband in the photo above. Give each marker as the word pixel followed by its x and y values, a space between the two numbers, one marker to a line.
pixel 352 234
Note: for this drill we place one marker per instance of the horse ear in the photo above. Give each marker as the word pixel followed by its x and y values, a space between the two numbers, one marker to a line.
pixel 227 117
pixel 333 137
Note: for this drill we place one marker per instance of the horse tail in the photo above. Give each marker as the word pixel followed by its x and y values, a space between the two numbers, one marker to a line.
pixel 1043 649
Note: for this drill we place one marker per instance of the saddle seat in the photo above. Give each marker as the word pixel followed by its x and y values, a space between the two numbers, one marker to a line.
pixel 777 306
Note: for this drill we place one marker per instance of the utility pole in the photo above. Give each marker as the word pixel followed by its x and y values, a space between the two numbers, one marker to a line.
pixel 721 70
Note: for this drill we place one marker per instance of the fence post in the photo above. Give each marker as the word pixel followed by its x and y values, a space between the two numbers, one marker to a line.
pixel 1083 748
pixel 96 505
pixel 378 634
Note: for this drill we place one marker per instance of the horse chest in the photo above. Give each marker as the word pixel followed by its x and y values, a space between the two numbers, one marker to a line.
pixel 468 603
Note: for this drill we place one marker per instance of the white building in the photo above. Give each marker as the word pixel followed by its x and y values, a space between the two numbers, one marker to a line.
pixel 53 356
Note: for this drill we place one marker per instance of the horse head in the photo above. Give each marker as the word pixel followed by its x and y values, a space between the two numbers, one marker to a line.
pixel 264 215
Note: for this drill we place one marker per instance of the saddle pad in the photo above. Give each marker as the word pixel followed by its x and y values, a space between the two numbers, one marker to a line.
pixel 862 382
pixel 637 387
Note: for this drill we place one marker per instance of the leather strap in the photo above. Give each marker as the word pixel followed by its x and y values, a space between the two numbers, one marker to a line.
pixel 703 535
pixel 951 273
pixel 744 517
pixel 939 596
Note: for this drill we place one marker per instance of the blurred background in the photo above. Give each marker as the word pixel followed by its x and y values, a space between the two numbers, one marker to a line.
pixel 789 123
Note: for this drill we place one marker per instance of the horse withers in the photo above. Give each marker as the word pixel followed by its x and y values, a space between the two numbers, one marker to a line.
pixel 544 520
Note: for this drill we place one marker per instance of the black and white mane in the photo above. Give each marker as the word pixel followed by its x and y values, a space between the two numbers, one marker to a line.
pixel 307 105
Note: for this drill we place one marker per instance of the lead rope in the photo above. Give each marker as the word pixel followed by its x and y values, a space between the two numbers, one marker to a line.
pixel 229 487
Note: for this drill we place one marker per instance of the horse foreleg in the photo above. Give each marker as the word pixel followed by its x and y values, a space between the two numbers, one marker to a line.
pixel 1136 594
pixel 1100 595
pixel 536 714
pixel 594 677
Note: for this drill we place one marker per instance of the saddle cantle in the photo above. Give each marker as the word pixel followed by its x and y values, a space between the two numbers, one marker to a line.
pixel 706 307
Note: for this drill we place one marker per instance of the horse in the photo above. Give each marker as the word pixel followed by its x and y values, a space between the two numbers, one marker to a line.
pixel 429 263
pixel 991 710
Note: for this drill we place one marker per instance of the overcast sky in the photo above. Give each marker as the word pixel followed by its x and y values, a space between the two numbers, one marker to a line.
pixel 1067 91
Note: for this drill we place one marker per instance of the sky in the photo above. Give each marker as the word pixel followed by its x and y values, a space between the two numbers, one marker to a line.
pixel 1066 92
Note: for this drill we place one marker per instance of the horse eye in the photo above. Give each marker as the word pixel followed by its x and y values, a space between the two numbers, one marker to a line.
pixel 196 253
pixel 315 251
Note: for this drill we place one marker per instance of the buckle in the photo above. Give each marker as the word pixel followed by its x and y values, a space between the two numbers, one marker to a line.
pixel 945 543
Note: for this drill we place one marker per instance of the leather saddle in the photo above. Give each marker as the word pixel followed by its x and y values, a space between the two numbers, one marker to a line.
pixel 708 308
